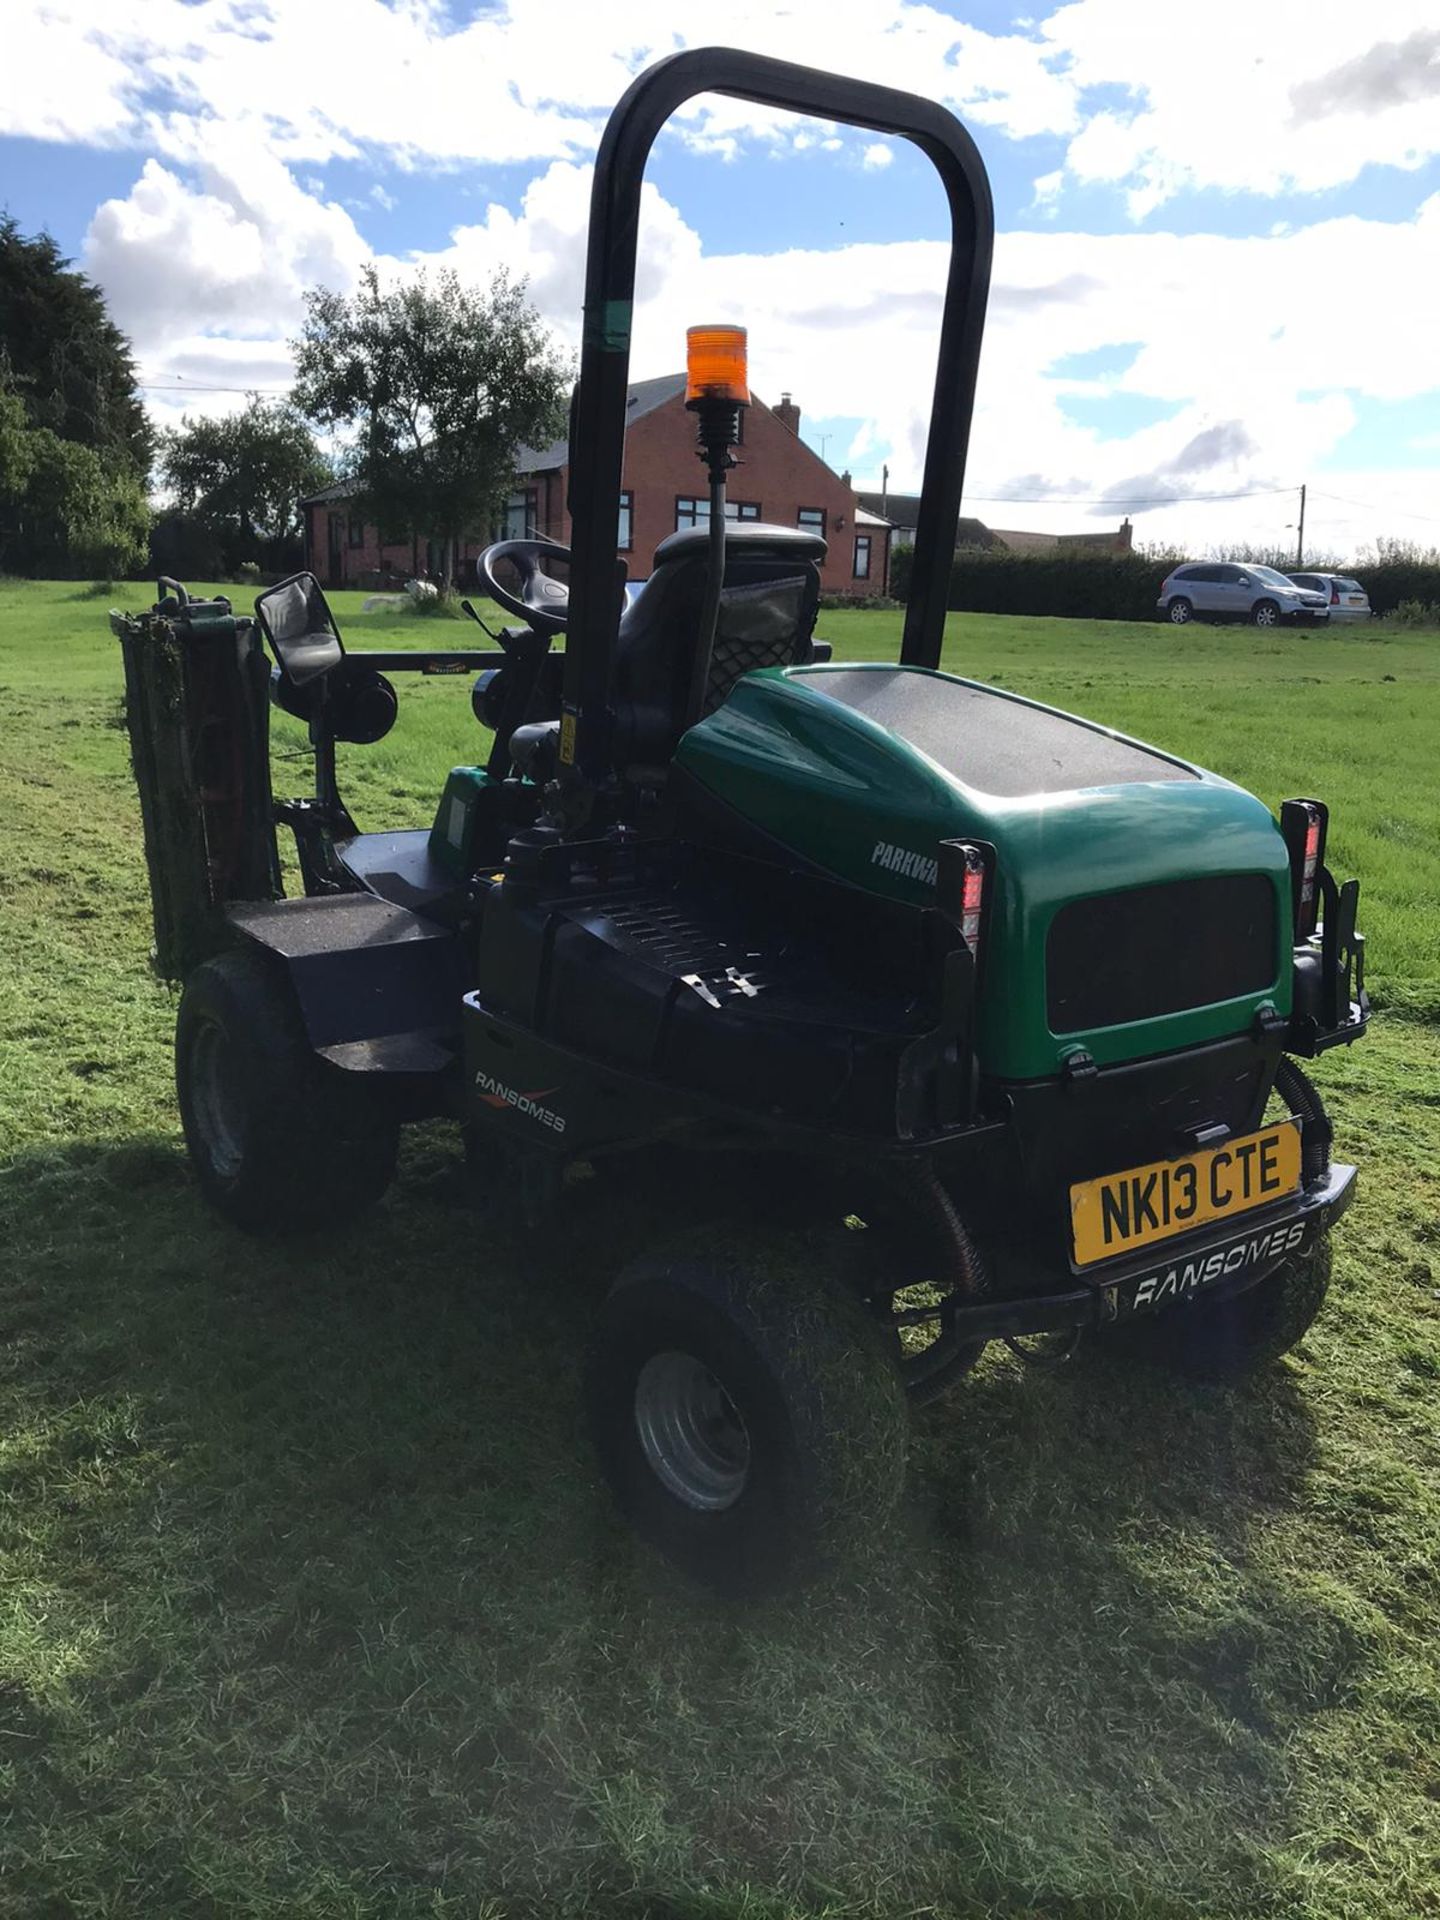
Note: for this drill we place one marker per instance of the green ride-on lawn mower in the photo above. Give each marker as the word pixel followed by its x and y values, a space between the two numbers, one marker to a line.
pixel 916 1014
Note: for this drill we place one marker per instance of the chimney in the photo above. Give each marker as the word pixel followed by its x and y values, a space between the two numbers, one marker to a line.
pixel 788 414
pixel 845 479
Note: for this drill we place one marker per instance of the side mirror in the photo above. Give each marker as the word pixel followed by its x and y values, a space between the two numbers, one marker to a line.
pixel 296 619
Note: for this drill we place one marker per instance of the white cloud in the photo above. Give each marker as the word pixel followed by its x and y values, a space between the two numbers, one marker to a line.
pixel 528 80
pixel 1264 384
pixel 1262 357
pixel 1254 99
pixel 231 255
pixel 1047 193
pixel 1260 99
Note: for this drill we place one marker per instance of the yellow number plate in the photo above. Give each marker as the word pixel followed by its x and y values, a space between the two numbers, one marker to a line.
pixel 1131 1209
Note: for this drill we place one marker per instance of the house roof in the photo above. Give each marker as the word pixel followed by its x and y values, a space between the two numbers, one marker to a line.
pixel 1021 540
pixel 903 510
pixel 341 490
pixel 643 397
pixel 864 518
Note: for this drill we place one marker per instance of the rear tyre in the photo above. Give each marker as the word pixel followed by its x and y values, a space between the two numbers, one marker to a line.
pixel 749 1419
pixel 1180 611
pixel 1265 613
pixel 1227 1339
pixel 279 1142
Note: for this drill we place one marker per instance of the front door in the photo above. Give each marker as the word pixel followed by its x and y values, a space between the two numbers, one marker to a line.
pixel 335 574
pixel 1234 593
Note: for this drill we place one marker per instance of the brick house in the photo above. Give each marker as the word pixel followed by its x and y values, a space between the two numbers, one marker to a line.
pixel 902 510
pixel 778 479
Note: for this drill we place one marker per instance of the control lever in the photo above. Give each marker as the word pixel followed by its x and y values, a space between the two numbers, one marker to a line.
pixel 498 638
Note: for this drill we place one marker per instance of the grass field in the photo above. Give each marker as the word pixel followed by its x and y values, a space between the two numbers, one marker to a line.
pixel 311 1603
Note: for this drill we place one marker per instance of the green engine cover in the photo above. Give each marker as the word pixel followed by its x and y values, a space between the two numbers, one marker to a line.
pixel 862 770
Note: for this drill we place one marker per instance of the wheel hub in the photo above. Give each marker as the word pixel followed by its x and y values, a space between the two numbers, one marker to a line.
pixel 691 1432
pixel 214 1100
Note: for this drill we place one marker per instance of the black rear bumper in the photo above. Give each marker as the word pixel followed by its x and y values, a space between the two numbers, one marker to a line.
pixel 1213 1265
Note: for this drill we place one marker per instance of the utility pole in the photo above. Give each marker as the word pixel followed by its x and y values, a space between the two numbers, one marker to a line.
pixel 884 491
pixel 1300 533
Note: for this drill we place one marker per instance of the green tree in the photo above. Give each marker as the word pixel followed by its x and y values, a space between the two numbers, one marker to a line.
pixel 82 514
pixel 437 385
pixel 64 507
pixel 17 455
pixel 242 475
pixel 68 361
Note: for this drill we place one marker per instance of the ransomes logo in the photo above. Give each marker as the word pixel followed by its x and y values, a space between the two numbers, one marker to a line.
pixel 1183 1279
pixel 496 1094
pixel 912 866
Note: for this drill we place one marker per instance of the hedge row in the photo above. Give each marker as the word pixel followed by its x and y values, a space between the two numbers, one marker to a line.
pixel 1114 586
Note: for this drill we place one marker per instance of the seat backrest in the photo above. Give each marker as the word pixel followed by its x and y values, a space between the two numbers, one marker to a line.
pixel 767 614
pixel 296 619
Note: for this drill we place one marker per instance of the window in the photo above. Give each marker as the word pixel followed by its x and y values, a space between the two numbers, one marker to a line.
pixel 812 519
pixel 625 532
pixel 861 570
pixel 518 520
pixel 693 512
pixel 356 532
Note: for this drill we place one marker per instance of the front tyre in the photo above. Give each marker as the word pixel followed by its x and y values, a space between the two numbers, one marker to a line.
pixel 279 1141
pixel 1265 613
pixel 748 1416
pixel 1227 1339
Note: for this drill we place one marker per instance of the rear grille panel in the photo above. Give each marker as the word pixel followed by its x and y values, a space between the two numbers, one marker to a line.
pixel 1151 951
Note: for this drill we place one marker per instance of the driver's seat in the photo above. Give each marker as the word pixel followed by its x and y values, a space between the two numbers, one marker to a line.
pixel 767 614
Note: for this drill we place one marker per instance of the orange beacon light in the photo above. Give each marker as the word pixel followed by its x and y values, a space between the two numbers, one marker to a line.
pixel 715 366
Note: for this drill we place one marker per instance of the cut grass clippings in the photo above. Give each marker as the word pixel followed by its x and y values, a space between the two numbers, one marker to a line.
pixel 312 1603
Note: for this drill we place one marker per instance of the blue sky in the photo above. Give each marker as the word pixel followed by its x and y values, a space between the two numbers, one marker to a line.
pixel 1217 267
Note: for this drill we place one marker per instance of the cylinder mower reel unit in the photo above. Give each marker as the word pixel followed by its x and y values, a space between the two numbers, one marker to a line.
pixel 908 1014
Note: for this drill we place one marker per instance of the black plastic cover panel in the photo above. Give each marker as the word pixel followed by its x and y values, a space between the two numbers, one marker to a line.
pixel 363 969
pixel 1149 951
pixel 992 742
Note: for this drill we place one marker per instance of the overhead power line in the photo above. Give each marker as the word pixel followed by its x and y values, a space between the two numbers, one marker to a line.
pixel 1112 500
pixel 198 386
pixel 1366 506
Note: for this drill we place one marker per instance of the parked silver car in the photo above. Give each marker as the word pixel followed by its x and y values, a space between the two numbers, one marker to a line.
pixel 1348 599
pixel 1223 590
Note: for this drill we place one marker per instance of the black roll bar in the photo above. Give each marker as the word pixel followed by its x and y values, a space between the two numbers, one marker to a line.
pixel 598 420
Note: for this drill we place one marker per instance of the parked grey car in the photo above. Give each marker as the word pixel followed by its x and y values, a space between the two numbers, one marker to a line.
pixel 1348 599
pixel 1223 590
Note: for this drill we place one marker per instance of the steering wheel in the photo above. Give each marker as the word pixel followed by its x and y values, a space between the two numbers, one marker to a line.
pixel 542 603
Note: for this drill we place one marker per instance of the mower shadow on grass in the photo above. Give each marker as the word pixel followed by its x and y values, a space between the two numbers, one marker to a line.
pixel 331 1500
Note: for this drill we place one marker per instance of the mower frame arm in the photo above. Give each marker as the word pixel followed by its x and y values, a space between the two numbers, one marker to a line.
pixel 598 422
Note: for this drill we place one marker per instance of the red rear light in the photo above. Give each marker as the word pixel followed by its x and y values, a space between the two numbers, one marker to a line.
pixel 963 892
pixel 1303 824
pixel 1334 594
pixel 973 901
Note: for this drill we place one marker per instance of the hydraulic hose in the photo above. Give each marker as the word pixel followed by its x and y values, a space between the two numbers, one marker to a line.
pixel 1317 1136
pixel 929 1206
